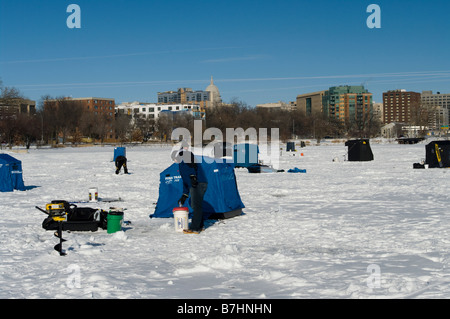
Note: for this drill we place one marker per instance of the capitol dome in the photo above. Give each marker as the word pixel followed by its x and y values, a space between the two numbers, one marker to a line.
pixel 214 92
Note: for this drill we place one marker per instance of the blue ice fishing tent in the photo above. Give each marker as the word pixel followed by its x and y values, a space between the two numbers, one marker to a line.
pixel 119 151
pixel 10 174
pixel 245 154
pixel 221 200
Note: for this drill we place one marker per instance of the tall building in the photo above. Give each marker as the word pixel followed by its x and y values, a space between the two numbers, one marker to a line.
pixel 210 97
pixel 348 103
pixel 311 103
pixel 440 103
pixel 398 104
pixel 340 102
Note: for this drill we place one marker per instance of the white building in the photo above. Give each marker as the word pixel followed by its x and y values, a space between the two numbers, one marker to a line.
pixel 153 110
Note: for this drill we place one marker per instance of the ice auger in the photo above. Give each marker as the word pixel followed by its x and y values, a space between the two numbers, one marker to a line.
pixel 58 212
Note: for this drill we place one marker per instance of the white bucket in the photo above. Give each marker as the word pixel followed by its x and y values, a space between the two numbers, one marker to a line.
pixel 93 194
pixel 181 218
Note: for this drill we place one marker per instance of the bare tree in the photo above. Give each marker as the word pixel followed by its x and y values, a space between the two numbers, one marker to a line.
pixel 164 126
pixel 29 128
pixel 9 126
pixel 87 124
pixel 145 125
pixel 122 126
pixel 8 130
pixel 365 125
pixel 68 116
pixel 50 120
pixel 420 115
pixel 61 117
pixel 104 126
pixel 137 136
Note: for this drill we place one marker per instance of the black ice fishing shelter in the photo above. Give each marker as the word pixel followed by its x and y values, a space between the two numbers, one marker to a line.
pixel 359 150
pixel 437 154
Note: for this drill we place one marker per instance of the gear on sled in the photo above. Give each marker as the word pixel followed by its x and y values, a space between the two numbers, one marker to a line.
pixel 73 218
pixel 65 216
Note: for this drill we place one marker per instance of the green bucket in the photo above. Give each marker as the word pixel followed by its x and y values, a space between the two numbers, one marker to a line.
pixel 114 221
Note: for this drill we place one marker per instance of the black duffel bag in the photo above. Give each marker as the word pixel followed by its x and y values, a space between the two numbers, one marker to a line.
pixel 78 219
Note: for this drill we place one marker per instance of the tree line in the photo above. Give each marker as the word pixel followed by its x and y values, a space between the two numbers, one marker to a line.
pixel 66 121
pixel 69 122
pixel 291 123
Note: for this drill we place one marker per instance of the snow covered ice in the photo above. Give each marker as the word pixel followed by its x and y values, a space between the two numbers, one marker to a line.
pixel 377 229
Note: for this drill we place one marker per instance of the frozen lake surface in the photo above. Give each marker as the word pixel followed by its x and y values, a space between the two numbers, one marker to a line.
pixel 377 229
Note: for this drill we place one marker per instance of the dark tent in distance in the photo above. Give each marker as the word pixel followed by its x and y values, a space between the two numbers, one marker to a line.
pixel 437 154
pixel 359 150
pixel 221 201
pixel 290 147
pixel 10 174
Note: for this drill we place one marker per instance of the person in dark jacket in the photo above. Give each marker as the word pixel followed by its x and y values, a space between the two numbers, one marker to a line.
pixel 194 184
pixel 121 161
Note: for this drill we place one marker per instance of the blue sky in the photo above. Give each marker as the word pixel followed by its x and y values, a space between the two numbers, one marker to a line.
pixel 258 51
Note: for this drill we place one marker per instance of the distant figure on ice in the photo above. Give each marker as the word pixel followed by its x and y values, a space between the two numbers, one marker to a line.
pixel 121 161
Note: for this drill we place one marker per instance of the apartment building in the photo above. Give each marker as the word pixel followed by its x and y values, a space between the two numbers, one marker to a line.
pixel 398 105
pixel 440 104
pixel 348 103
pixel 340 102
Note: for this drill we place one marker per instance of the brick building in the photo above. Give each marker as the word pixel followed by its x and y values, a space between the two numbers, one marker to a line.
pixel 398 104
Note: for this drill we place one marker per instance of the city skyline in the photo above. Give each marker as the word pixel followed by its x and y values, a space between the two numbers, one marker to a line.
pixel 257 51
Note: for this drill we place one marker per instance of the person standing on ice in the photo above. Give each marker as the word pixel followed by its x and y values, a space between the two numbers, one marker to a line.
pixel 194 184
pixel 121 161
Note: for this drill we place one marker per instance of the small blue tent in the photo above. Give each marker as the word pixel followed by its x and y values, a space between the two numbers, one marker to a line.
pixel 10 174
pixel 245 154
pixel 119 151
pixel 221 200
